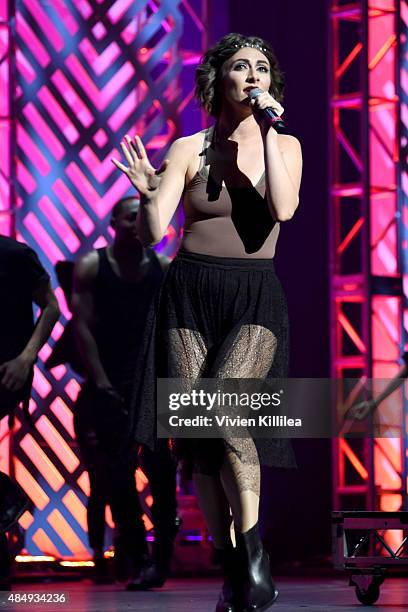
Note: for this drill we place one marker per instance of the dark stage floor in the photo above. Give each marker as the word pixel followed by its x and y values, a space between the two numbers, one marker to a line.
pixel 199 595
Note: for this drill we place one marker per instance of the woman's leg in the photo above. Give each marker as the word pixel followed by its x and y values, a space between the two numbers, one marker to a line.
pixel 187 359
pixel 215 507
pixel 247 353
pixel 241 482
pixel 235 480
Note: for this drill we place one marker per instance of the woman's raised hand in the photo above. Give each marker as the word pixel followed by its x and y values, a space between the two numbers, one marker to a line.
pixel 139 170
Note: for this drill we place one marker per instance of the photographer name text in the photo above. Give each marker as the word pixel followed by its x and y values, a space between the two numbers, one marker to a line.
pixel 227 421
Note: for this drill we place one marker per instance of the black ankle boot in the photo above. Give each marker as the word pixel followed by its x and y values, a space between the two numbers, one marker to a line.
pixel 229 565
pixel 131 552
pixel 101 570
pixel 155 571
pixel 258 590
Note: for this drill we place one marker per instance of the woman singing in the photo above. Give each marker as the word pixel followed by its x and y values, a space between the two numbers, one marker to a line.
pixel 222 312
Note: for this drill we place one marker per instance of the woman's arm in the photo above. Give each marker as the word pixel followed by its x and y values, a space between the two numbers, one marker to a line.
pixel 283 171
pixel 161 190
pixel 283 162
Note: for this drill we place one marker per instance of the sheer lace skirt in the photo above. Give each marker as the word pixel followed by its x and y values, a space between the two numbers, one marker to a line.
pixel 223 318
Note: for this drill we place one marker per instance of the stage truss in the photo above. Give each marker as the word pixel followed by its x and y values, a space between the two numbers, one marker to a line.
pixel 81 74
pixel 369 220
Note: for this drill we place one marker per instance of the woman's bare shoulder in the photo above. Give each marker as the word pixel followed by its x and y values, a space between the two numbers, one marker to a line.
pixel 189 144
pixel 187 150
pixel 288 142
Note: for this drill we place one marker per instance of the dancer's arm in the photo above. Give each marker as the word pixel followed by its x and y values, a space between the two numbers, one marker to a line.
pixel 14 373
pixel 83 310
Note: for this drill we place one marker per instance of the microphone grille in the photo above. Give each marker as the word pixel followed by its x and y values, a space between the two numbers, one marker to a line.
pixel 255 92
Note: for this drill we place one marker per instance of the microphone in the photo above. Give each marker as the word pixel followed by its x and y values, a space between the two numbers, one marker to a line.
pixel 268 114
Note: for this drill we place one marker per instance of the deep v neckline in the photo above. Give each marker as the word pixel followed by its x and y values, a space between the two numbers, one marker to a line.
pixel 209 137
pixel 204 170
pixel 252 186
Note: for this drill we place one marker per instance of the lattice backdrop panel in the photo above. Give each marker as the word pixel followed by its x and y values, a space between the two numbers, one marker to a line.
pixel 87 72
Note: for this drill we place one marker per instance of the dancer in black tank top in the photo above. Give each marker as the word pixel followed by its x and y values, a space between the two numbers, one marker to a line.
pixel 121 308
pixel 114 292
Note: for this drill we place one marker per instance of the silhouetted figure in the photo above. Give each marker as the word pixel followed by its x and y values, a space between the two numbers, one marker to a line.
pixel 23 282
pixel 113 293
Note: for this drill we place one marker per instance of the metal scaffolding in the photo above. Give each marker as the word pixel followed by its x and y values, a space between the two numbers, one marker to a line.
pixel 366 255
